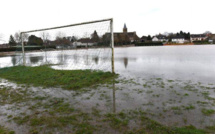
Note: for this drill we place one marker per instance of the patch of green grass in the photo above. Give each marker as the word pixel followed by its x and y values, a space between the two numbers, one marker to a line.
pixel 171 87
pixel 116 121
pixel 48 77
pixel 10 95
pixel 153 127
pixel 208 112
pixel 175 108
pixel 202 102
pixel 170 80
pixel 158 79
pixel 149 91
pixel 212 128
pixel 188 130
pixel 5 131
pixel 186 94
pixel 21 120
pixel 190 107
pixel 188 87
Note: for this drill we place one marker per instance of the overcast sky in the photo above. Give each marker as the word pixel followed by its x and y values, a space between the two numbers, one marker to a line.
pixel 143 16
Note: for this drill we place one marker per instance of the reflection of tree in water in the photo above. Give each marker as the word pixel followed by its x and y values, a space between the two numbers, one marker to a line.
pixel 14 60
pixel 86 59
pixel 96 59
pixel 114 97
pixel 125 61
pixel 75 57
pixel 35 60
pixel 62 58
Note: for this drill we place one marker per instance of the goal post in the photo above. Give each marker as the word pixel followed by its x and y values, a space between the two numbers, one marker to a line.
pixel 85 40
pixel 112 44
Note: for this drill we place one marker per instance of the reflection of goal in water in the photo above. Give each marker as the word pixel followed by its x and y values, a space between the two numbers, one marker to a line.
pixel 87 45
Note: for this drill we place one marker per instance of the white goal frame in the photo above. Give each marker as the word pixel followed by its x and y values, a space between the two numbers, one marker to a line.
pixel 83 23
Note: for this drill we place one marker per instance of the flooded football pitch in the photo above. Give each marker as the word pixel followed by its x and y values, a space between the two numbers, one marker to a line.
pixel 173 85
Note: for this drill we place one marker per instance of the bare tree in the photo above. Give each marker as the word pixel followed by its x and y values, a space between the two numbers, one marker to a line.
pixel 18 38
pixel 1 37
pixel 60 35
pixel 61 39
pixel 45 36
pixel 207 32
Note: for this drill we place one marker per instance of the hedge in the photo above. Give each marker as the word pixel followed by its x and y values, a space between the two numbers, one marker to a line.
pixel 26 48
pixel 149 44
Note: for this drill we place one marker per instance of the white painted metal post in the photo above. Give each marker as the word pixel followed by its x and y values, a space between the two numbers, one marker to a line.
pixel 112 45
pixel 23 49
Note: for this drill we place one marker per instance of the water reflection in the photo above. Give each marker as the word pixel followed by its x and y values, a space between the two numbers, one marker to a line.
pixel 62 58
pixel 172 62
pixel 36 60
pixel 96 60
pixel 76 59
pixel 114 97
pixel 125 61
pixel 86 60
pixel 14 60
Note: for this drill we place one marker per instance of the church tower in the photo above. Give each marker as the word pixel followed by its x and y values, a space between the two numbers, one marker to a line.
pixel 125 29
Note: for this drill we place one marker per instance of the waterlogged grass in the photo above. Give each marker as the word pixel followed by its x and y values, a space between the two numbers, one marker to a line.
pixel 48 77
pixel 10 96
pixel 211 128
pixel 189 130
pixel 5 131
pixel 118 122
pixel 208 112
pixel 52 115
pixel 48 114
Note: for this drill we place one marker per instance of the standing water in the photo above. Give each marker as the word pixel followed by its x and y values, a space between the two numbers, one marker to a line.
pixel 172 84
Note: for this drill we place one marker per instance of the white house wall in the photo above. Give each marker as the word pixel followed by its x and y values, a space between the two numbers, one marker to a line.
pixel 178 40
pixel 155 39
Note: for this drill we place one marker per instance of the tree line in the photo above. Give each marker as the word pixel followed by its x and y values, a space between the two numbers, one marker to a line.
pixel 45 39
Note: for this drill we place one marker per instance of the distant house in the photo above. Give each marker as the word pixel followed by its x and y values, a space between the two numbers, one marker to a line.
pixel 159 38
pixel 84 42
pixel 143 38
pixel 155 39
pixel 178 39
pixel 198 37
pixel 71 38
pixel 212 38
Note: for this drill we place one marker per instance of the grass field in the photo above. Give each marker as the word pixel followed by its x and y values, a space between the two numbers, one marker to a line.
pixel 48 77
pixel 48 114
pixel 5 131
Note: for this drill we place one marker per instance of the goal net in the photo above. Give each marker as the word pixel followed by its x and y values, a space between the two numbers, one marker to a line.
pixel 87 45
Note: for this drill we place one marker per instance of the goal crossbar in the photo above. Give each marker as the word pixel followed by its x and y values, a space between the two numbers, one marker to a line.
pixel 52 28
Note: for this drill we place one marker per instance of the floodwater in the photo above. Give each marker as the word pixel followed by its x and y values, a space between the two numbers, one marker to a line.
pixel 171 83
pixel 172 62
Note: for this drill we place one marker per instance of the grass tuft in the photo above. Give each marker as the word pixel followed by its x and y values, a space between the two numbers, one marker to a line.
pixel 208 112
